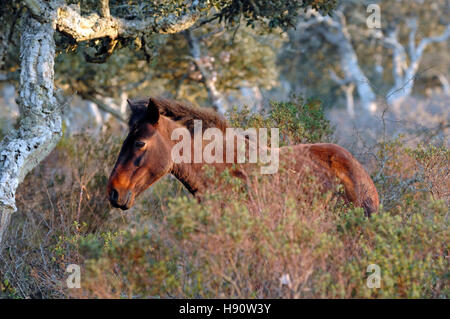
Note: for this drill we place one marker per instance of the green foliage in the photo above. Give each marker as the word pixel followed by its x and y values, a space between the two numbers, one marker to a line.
pixel 236 59
pixel 299 121
pixel 279 13
pixel 7 291
pixel 410 250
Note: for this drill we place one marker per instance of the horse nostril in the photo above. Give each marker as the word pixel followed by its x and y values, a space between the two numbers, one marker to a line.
pixel 114 195
pixel 128 196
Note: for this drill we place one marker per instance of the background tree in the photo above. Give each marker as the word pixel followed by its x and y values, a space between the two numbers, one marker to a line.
pixel 382 62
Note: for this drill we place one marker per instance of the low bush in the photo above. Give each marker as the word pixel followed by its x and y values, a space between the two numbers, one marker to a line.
pixel 275 237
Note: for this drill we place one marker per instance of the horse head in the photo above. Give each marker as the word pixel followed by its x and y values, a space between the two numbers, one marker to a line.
pixel 144 157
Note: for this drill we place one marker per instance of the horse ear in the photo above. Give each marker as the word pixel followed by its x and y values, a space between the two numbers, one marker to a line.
pixel 132 106
pixel 152 112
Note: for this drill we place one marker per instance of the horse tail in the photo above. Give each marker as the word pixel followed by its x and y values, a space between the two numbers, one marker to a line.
pixel 359 187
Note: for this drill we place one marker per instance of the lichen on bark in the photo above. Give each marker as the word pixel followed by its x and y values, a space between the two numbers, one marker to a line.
pixel 40 125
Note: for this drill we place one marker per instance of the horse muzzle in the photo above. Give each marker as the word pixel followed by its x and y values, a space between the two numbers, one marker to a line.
pixel 123 202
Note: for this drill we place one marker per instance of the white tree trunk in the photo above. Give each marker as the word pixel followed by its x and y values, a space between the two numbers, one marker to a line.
pixel 352 70
pixel 335 31
pixel 40 126
pixel 348 87
pixel 445 84
pixel 208 78
pixel 348 90
pixel 404 73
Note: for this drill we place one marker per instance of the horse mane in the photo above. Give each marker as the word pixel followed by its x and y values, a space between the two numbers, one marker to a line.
pixel 178 112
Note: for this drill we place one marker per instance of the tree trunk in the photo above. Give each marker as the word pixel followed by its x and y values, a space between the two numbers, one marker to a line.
pixel 216 98
pixel 40 126
pixel 348 90
pixel 335 31
pixel 351 69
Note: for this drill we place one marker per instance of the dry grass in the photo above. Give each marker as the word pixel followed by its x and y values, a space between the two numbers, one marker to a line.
pixel 250 242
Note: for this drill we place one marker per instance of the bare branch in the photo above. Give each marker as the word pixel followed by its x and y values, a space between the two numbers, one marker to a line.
pixel 337 79
pixel 404 74
pixel 105 107
pixel 37 8
pixel 399 57
pixel 105 8
pixel 70 21
pixel 429 40
pixel 412 36
pixel 444 82
pixel 207 78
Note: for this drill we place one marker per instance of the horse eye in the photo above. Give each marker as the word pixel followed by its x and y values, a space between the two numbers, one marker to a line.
pixel 139 144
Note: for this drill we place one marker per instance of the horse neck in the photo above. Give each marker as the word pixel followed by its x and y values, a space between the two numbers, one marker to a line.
pixel 191 175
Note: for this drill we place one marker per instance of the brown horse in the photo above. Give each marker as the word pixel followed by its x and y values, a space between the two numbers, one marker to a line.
pixel 145 157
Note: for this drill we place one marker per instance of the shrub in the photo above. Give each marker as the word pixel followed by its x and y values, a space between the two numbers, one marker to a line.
pixel 252 242
pixel 296 243
pixel 60 201
pixel 299 121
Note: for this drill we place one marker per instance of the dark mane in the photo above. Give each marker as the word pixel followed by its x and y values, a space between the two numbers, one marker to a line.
pixel 183 114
